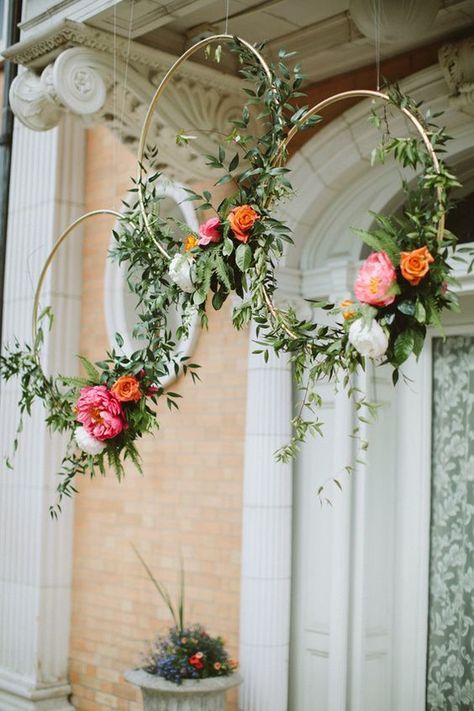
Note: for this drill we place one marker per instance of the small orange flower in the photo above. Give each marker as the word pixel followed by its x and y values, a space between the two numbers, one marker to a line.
pixel 345 305
pixel 415 265
pixel 217 666
pixel 190 242
pixel 241 220
pixel 233 663
pixel 126 389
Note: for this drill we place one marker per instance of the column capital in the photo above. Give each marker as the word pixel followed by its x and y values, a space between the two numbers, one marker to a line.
pixel 105 80
pixel 74 82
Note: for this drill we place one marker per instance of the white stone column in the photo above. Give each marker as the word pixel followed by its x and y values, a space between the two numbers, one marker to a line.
pixel 341 553
pixel 47 186
pixel 342 533
pixel 266 546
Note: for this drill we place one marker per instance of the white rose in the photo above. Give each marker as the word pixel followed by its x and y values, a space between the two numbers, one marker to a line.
pixel 87 442
pixel 369 340
pixel 181 270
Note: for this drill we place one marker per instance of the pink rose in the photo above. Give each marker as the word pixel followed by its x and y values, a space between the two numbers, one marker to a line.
pixel 375 278
pixel 209 231
pixel 99 411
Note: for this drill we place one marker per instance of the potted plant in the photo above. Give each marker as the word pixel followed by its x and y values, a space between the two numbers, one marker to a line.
pixel 186 669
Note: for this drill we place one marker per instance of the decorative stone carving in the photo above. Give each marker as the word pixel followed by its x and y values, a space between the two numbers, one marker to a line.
pixel 110 81
pixel 72 84
pixel 457 63
pixel 77 82
pixel 32 104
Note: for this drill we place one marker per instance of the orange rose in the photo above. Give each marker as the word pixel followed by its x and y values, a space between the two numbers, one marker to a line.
pixel 241 220
pixel 126 389
pixel 190 242
pixel 415 265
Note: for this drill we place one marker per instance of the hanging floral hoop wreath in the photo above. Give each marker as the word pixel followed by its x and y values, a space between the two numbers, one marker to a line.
pixel 401 287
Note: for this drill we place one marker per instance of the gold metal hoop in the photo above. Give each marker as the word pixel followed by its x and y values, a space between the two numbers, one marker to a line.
pixel 367 93
pixel 51 256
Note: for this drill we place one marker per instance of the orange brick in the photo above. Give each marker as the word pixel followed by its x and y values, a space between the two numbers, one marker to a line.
pixel 188 503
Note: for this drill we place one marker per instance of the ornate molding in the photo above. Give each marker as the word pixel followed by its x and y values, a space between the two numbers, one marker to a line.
pixel 109 14
pixel 101 85
pixel 457 63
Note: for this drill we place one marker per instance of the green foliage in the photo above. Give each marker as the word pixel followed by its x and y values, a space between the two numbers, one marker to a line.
pixel 145 241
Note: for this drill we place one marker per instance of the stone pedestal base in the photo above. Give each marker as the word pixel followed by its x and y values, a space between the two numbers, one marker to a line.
pixel 191 695
pixel 18 694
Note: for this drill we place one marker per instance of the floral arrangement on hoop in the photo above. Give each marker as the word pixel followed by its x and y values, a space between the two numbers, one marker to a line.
pixel 186 651
pixel 401 288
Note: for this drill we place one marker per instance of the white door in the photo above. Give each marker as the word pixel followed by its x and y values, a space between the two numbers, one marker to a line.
pixel 361 566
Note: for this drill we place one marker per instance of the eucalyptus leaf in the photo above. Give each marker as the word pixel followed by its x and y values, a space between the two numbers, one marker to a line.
pixel 243 257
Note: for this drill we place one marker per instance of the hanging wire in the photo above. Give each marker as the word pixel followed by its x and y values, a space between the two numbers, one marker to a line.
pixel 377 22
pixel 127 60
pixel 115 123
pixel 227 4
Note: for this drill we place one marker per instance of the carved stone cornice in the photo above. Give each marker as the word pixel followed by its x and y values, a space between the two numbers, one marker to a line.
pixel 457 63
pixel 107 80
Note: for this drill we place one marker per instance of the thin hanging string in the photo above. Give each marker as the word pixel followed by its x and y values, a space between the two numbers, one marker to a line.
pixel 127 60
pixel 115 125
pixel 377 21
pixel 227 4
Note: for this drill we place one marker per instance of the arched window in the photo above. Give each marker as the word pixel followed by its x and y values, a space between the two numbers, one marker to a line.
pixel 121 305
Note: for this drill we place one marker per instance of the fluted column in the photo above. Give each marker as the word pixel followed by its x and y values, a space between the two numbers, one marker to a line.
pixel 341 552
pixel 339 620
pixel 266 547
pixel 36 551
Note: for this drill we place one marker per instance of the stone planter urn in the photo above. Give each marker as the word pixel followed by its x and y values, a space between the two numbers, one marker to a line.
pixel 191 695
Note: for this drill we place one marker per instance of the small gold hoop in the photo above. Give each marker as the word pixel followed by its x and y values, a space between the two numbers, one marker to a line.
pixel 51 256
pixel 314 110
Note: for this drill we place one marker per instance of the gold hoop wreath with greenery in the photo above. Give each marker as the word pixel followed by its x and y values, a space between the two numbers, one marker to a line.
pixel 401 288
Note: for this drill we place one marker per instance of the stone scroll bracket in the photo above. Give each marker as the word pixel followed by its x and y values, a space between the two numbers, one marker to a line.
pixel 102 82
pixel 457 63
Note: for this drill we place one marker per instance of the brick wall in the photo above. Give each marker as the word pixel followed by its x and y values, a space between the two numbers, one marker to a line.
pixel 187 503
pixel 393 69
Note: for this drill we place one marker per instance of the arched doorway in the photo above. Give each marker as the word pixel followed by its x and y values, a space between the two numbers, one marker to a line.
pixel 361 586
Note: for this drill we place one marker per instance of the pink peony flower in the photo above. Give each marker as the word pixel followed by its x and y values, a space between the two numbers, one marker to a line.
pixel 99 411
pixel 209 231
pixel 375 278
